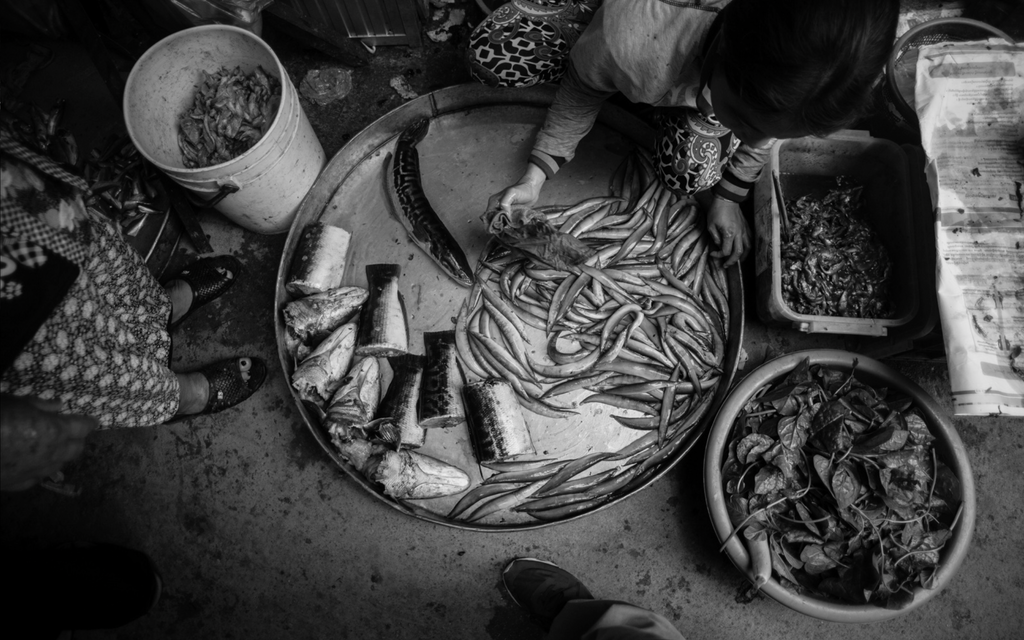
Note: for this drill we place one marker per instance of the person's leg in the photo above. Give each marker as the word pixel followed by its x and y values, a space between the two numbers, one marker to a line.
pixel 525 44
pixel 103 352
pixel 201 282
pixel 195 392
pixel 180 295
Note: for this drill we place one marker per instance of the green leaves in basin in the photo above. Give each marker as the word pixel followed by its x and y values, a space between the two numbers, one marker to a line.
pixel 844 481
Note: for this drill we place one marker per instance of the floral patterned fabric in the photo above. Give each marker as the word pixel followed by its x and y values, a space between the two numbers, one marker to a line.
pixel 104 348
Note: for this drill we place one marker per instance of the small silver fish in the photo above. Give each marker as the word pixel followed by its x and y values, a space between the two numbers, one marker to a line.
pixel 319 376
pixel 496 422
pixel 352 406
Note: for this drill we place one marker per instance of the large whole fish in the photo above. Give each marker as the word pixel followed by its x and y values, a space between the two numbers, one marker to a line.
pixel 413 210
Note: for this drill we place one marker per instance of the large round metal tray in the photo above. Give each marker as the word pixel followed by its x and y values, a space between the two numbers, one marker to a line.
pixel 478 142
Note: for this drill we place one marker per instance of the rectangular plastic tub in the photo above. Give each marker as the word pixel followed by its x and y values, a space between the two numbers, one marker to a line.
pixel 809 166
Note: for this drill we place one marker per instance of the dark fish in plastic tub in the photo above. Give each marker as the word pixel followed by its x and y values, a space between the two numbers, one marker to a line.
pixel 318 264
pixel 352 406
pixel 312 318
pixel 441 391
pixel 414 211
pixel 397 415
pixel 319 376
pixel 383 330
pixel 496 422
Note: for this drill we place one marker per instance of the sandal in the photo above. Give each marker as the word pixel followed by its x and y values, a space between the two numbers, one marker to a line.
pixel 231 382
pixel 208 278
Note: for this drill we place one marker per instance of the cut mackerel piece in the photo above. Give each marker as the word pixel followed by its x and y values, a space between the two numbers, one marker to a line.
pixel 319 261
pixel 441 392
pixel 383 330
pixel 496 422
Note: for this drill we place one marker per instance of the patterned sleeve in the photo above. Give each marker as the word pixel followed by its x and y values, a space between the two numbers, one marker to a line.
pixel 742 171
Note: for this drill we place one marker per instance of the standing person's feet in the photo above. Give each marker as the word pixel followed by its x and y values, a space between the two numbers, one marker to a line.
pixel 542 588
pixel 219 386
pixel 201 282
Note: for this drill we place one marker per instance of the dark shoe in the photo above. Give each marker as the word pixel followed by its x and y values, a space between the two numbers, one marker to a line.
pixel 231 381
pixel 541 588
pixel 208 278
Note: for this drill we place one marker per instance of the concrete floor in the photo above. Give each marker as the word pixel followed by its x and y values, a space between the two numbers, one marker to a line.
pixel 258 535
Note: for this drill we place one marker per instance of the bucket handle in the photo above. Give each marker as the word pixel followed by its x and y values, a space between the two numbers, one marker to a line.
pixel 225 190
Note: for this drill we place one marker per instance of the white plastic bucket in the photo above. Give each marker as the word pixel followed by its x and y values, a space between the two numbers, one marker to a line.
pixel 273 176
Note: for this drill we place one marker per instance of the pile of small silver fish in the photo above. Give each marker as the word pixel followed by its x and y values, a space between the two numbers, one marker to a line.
pixel 230 112
pixel 648 312
pixel 338 338
pixel 124 185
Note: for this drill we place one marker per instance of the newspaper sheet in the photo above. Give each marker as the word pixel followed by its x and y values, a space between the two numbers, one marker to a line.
pixel 970 104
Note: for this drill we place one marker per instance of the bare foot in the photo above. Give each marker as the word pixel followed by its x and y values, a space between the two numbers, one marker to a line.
pixel 195 393
pixel 180 294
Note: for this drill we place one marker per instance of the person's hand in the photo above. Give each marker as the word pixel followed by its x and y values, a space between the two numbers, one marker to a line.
pixel 729 230
pixel 36 441
pixel 525 192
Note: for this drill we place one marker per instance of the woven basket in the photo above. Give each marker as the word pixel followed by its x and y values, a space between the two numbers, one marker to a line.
pixel 901 69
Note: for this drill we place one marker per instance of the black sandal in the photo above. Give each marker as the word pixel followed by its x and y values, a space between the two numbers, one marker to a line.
pixel 208 278
pixel 231 381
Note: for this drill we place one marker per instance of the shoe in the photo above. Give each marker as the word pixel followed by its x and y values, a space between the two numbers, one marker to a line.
pixel 542 588
pixel 208 278
pixel 231 382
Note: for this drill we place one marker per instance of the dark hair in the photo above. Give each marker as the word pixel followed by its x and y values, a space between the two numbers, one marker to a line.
pixel 817 60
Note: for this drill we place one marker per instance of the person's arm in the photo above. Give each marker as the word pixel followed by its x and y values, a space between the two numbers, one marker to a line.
pixel 726 223
pixel 36 441
pixel 570 117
